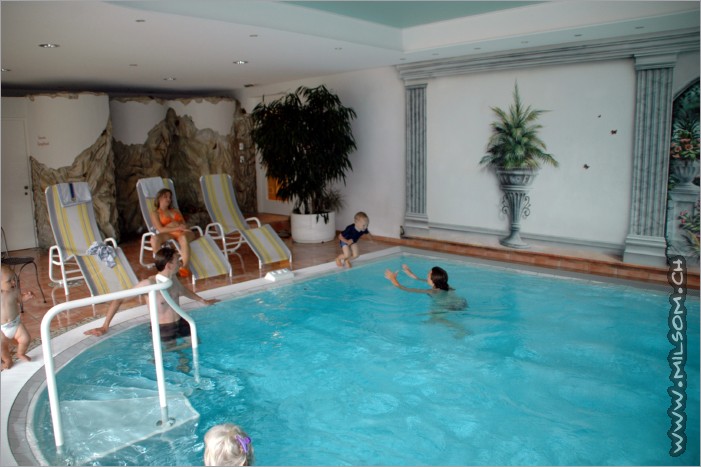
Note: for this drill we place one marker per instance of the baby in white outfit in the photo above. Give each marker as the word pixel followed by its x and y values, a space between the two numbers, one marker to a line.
pixel 11 324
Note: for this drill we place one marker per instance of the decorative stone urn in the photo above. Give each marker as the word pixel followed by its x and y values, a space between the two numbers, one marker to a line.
pixel 684 171
pixel 515 183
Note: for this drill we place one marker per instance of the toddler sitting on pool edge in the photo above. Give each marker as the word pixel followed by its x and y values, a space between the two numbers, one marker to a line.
pixel 349 239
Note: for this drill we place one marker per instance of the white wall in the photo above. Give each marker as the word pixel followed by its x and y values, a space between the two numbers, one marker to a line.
pixel 14 107
pixel 217 116
pixel 584 102
pixel 132 119
pixel 60 127
pixel 376 184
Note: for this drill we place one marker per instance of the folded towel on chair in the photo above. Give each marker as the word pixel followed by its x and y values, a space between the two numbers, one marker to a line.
pixel 105 252
pixel 73 193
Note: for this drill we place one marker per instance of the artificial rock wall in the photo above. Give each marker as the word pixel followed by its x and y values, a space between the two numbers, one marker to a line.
pixel 95 165
pixel 174 147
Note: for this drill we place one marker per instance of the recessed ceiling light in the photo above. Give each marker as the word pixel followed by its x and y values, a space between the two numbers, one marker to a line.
pixel 140 21
pixel 49 45
pixel 253 35
pixel 240 62
pixel 169 78
pixel 5 69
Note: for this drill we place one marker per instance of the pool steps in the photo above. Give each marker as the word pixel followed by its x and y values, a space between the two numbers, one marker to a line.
pixel 166 421
pixel 98 414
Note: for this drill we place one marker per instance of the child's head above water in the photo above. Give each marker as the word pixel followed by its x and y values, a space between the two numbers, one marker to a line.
pixel 439 277
pixel 227 444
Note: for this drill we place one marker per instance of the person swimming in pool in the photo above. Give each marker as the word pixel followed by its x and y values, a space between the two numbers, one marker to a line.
pixel 444 297
pixel 442 293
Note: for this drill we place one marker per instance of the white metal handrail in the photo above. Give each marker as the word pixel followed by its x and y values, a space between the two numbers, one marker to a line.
pixel 162 284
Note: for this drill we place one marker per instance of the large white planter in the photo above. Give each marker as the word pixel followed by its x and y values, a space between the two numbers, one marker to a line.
pixel 311 228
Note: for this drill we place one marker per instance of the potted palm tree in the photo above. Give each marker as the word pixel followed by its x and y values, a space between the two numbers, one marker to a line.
pixel 304 139
pixel 516 152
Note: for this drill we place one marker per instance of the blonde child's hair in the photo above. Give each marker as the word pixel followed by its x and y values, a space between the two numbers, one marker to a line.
pixel 227 444
pixel 360 215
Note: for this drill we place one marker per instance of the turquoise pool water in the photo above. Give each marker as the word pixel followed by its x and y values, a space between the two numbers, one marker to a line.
pixel 347 370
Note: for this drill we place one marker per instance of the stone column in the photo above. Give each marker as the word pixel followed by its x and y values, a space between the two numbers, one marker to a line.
pixel 415 218
pixel 645 243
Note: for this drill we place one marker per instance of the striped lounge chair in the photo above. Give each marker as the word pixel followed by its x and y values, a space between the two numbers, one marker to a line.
pixel 206 259
pixel 80 250
pixel 231 228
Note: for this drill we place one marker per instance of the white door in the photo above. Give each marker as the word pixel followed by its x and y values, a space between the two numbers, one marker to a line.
pixel 17 215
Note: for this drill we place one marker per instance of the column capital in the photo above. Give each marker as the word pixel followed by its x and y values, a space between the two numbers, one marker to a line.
pixel 650 61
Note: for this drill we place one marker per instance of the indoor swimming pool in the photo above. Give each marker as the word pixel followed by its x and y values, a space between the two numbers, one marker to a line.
pixel 345 369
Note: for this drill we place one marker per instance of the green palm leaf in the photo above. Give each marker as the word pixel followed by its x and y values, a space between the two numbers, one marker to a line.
pixel 514 142
pixel 304 139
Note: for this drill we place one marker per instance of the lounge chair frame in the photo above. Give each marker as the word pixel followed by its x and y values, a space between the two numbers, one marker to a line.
pixel 73 224
pixel 232 229
pixel 146 189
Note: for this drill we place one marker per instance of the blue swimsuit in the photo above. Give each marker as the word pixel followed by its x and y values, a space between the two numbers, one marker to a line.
pixel 352 234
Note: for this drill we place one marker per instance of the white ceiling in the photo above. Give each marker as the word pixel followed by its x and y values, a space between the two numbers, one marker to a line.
pixel 134 46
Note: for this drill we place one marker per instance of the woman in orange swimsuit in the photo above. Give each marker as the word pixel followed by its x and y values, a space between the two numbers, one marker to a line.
pixel 170 224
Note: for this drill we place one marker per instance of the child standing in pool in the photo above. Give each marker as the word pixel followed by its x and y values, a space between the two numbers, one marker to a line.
pixel 349 239
pixel 12 327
